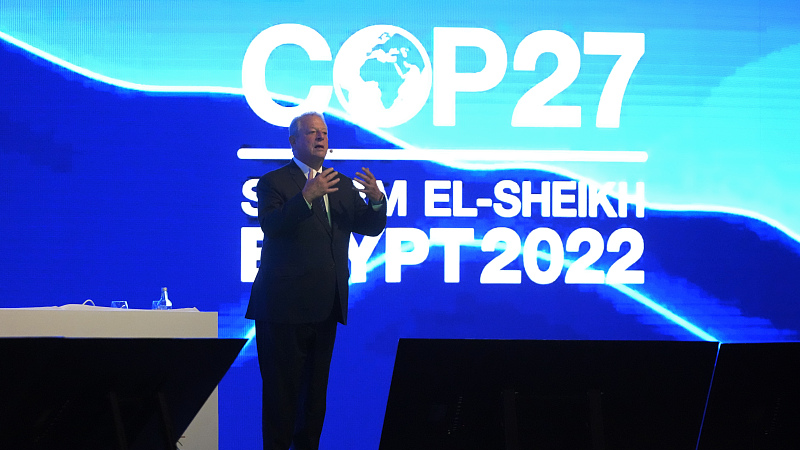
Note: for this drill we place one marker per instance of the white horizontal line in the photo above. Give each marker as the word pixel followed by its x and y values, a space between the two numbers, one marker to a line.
pixel 485 155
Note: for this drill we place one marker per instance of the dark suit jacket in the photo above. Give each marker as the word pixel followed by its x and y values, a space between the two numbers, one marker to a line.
pixel 303 260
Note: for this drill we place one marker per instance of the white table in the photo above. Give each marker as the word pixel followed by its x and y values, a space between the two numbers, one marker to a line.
pixel 100 322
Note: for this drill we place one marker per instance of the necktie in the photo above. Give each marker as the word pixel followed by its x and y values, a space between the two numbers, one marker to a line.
pixel 321 203
pixel 324 209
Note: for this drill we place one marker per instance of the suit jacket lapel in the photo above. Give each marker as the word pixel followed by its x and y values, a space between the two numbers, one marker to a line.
pixel 297 175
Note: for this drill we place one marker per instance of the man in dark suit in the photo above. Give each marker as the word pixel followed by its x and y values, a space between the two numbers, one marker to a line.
pixel 307 213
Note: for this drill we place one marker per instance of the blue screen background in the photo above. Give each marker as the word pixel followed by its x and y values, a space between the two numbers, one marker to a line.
pixel 120 172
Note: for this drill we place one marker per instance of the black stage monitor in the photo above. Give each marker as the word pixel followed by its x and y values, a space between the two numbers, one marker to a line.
pixel 93 394
pixel 755 398
pixel 547 395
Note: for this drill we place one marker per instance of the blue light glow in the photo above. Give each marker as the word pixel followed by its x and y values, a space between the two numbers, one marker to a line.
pixel 130 151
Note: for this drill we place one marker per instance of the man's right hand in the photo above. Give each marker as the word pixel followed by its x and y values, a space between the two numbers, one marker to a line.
pixel 323 183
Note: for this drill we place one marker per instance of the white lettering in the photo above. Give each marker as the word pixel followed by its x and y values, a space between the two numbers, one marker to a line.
pixel 362 99
pixel 432 197
pixel 599 197
pixel 559 198
pixel 249 192
pixel 532 109
pixel 531 255
pixel 495 271
pixel 250 252
pixel 502 196
pixel 458 194
pixel 397 255
pixel 254 65
pixel 583 200
pixel 451 239
pixel 359 254
pixel 397 198
pixel 446 81
pixel 630 47
pixel 529 197
pixel 636 198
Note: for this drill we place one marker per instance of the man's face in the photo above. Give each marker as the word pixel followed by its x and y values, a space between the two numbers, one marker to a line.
pixel 310 144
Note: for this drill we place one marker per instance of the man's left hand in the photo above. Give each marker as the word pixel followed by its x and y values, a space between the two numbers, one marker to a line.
pixel 367 179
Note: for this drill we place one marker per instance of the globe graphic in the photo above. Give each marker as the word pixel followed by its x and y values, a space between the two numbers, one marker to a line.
pixel 382 76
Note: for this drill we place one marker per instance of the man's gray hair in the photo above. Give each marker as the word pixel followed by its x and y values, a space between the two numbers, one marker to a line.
pixel 293 127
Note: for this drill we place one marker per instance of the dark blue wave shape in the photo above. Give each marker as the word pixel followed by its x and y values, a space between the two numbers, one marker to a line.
pixel 103 183
pixel 125 182
pixel 110 194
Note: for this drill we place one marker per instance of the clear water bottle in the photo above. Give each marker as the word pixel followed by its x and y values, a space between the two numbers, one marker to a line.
pixel 163 302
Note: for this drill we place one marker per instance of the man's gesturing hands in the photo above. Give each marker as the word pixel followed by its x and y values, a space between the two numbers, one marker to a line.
pixel 325 183
pixel 370 185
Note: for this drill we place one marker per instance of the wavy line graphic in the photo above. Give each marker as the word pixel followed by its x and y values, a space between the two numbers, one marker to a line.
pixel 631 293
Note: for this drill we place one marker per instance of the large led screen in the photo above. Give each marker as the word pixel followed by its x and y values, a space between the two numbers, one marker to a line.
pixel 554 169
